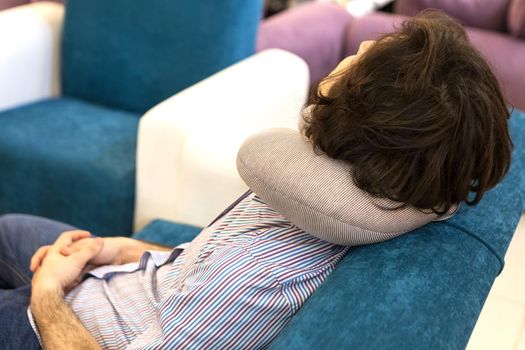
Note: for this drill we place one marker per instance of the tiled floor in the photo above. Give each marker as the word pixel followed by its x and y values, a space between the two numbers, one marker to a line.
pixel 501 324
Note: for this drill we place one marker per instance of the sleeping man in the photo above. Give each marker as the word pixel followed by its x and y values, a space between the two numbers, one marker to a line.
pixel 397 136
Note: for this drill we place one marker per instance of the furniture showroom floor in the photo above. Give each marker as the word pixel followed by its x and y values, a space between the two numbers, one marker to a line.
pixel 501 324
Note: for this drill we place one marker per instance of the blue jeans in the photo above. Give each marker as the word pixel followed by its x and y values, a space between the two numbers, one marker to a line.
pixel 20 237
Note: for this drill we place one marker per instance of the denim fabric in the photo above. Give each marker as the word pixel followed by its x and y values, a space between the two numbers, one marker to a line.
pixel 20 237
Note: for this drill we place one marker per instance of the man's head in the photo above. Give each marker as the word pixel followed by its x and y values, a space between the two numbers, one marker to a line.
pixel 418 114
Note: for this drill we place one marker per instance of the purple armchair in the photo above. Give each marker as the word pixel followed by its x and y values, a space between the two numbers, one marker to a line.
pixel 324 34
pixel 4 4
pixel 316 32
pixel 496 27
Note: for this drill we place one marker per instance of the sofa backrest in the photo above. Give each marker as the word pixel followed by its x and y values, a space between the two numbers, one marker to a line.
pixel 133 54
pixel 491 15
pixel 423 290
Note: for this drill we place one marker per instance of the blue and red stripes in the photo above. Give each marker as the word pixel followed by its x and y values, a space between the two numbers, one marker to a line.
pixel 236 286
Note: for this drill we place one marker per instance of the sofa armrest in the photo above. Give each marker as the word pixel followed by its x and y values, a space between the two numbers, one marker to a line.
pixel 29 54
pixel 422 290
pixel 167 233
pixel 187 145
pixel 314 32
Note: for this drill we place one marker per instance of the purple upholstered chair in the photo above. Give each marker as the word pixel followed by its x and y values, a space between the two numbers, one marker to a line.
pixel 324 34
pixel 4 4
pixel 316 32
pixel 496 27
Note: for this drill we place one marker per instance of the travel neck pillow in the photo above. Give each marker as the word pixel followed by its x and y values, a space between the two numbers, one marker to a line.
pixel 317 193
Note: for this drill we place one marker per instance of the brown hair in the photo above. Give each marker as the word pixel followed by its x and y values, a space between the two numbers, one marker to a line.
pixel 419 116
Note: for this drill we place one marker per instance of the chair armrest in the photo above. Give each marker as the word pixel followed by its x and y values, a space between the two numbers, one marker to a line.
pixel 315 32
pixel 29 54
pixel 187 145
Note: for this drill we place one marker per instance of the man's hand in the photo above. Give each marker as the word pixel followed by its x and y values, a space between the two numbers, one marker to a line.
pixel 56 322
pixel 57 272
pixel 110 254
pixel 114 251
pixel 58 267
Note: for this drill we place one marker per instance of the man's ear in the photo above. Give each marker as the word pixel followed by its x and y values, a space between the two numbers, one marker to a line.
pixel 327 82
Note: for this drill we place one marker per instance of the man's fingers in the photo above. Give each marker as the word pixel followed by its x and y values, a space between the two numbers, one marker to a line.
pixel 65 250
pixel 69 237
pixel 88 251
pixel 75 246
pixel 37 258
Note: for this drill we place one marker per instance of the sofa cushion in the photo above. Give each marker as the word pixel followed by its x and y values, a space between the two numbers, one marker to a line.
pixel 423 290
pixel 70 161
pixel 133 55
pixel 516 18
pixel 167 233
pixel 491 15
pixel 318 193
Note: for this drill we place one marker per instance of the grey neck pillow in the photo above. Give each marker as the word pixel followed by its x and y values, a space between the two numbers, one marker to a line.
pixel 317 193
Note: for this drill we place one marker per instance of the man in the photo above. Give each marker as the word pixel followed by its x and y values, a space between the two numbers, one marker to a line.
pixel 418 115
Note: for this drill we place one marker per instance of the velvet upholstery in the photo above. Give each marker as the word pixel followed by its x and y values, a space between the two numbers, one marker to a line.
pixel 5 4
pixel 313 31
pixel 134 56
pixel 516 18
pixel 484 14
pixel 423 290
pixel 504 53
pixel 167 233
pixel 71 161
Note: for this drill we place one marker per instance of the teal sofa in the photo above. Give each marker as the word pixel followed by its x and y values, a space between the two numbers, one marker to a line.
pixel 71 156
pixel 423 290
pixel 78 142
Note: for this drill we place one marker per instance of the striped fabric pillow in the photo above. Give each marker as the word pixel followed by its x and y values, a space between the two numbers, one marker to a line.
pixel 317 193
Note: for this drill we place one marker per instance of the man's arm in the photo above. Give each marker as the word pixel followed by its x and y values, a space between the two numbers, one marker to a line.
pixel 58 267
pixel 132 249
pixel 58 326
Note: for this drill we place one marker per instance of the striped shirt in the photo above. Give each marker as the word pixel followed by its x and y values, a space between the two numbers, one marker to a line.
pixel 235 286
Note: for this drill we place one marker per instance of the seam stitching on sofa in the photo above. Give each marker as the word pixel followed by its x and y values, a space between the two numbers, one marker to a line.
pixel 482 241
